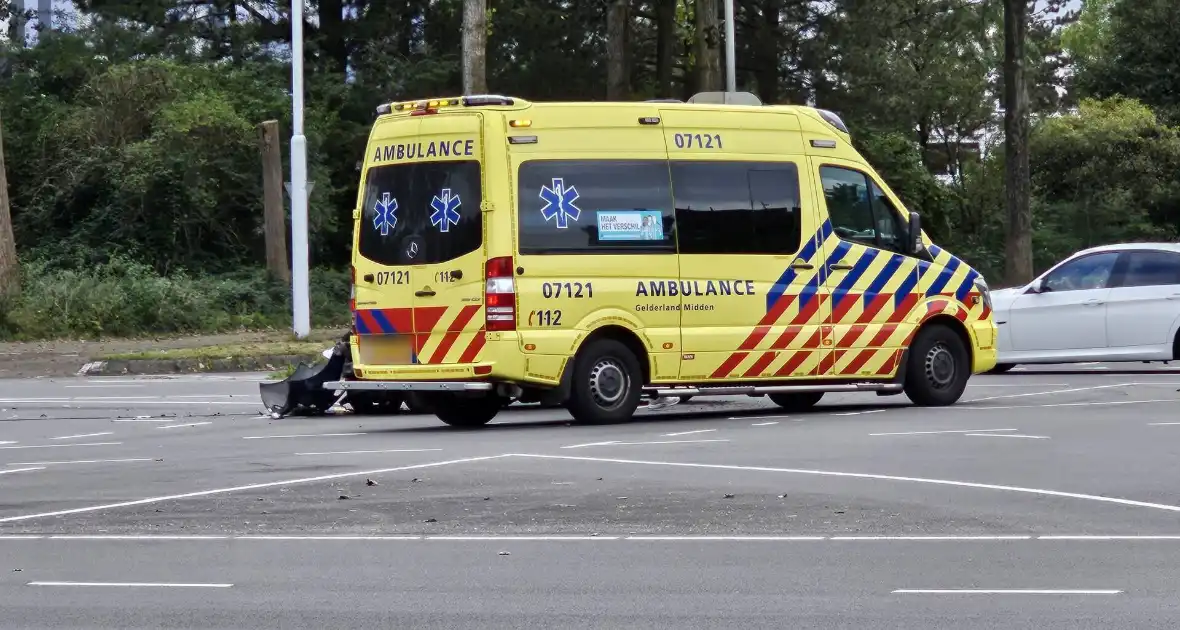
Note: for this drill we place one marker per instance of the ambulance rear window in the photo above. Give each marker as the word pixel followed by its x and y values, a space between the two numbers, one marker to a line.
pixel 421 213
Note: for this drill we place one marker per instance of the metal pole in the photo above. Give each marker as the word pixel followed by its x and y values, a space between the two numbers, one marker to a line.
pixel 299 272
pixel 730 62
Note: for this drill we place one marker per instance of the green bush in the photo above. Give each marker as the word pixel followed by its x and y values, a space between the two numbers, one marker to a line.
pixel 123 298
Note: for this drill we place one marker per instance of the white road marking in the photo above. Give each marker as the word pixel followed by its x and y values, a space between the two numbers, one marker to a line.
pixel 8 442
pixel 256 486
pixel 264 537
pixel 145 419
pixel 1008 435
pixel 308 435
pixel 928 538
pixel 132 584
pixel 763 424
pixel 1017 384
pixel 1163 424
pixel 488 538
pixel 106 385
pixel 1052 392
pixel 1097 538
pixel 177 426
pixel 633 537
pixel 644 443
pixel 61 445
pixel 858 413
pixel 590 444
pixel 82 435
pixel 16 470
pixel 934 432
pixel 392 450
pixel 728 538
pixel 689 432
pixel 84 461
pixel 1069 404
pixel 1003 591
pixel 134 537
pixel 829 473
pixel 758 417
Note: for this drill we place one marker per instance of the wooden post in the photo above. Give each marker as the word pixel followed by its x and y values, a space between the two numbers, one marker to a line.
pixel 9 263
pixel 274 216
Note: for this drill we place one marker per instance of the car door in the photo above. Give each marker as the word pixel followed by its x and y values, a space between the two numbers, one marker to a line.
pixel 1145 301
pixel 1066 310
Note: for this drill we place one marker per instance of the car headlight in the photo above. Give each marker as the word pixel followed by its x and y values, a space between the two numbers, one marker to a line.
pixel 981 284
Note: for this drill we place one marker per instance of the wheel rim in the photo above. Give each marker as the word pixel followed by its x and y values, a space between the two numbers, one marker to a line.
pixel 608 383
pixel 940 366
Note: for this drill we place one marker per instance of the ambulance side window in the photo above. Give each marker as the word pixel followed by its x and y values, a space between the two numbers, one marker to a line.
pixel 859 210
pixel 737 207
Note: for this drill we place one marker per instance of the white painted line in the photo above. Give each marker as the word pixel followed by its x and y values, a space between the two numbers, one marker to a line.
pixel 645 443
pixel 277 537
pixel 858 413
pixel 758 417
pixel 930 538
pixel 1088 363
pixel 177 426
pixel 308 435
pixel 21 537
pixel 393 450
pixel 1070 404
pixel 61 445
pixel 728 538
pixel 689 432
pixel 16 470
pixel 1163 424
pixel 829 473
pixel 935 432
pixel 1052 392
pixel 1021 384
pixel 535 538
pixel 1097 538
pixel 1008 435
pixel 106 385
pixel 7 442
pixel 590 444
pixel 256 486
pixel 84 461
pixel 997 591
pixel 132 584
pixel 82 435
pixel 134 537
pixel 763 424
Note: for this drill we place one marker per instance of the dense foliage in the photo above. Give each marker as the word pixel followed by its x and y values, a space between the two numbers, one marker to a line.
pixel 135 175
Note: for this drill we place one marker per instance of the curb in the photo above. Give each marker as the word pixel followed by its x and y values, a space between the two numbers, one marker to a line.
pixel 123 367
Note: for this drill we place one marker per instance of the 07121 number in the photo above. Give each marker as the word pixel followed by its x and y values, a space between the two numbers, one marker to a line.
pixel 545 318
pixel 574 290
pixel 393 277
pixel 697 140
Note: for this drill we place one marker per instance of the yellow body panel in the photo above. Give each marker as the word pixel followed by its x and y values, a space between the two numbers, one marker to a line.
pixel 824 306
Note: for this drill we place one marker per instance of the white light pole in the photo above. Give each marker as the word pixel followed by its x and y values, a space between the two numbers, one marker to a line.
pixel 299 283
pixel 730 62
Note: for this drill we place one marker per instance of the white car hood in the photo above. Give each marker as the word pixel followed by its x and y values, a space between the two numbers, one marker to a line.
pixel 1002 300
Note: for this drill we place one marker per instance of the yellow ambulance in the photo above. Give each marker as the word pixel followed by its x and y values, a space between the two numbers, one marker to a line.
pixel 600 255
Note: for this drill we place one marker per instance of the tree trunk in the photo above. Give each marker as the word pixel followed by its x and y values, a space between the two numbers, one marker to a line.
pixel 768 51
pixel 708 47
pixel 618 79
pixel 475 72
pixel 274 217
pixel 1018 243
pixel 665 46
pixel 9 264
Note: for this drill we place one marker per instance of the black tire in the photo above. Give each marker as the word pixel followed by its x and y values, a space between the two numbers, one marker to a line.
pixel 374 403
pixel 607 383
pixel 1001 368
pixel 686 398
pixel 416 402
pixel 466 412
pixel 796 402
pixel 938 367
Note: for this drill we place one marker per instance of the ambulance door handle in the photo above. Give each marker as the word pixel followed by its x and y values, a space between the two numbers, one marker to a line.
pixel 456 274
pixel 368 277
pixel 426 293
pixel 799 264
pixel 840 267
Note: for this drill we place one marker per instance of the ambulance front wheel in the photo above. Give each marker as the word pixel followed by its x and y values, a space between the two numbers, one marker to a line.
pixel 937 367
pixel 796 402
pixel 466 412
pixel 607 383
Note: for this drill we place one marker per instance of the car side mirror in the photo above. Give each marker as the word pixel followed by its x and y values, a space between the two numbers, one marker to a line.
pixel 914 237
pixel 1036 286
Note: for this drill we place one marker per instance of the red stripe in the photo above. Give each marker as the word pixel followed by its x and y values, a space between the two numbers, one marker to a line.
pixel 874 307
pixel 961 315
pixel 844 305
pixel 426 318
pixel 453 332
pixel 902 311
pixel 883 335
pixel 474 347
pixel 777 310
pixel 936 305
pixel 861 359
pixel 401 318
pixel 794 327
pixel 730 364
pixel 755 338
pixel 888 366
pixel 371 325
pixel 813 340
pixel 826 363
pixel 986 312
pixel 793 363
pixel 852 335
pixel 763 361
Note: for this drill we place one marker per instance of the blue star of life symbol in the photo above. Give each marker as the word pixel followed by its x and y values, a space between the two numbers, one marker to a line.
pixel 446 210
pixel 385 219
pixel 559 203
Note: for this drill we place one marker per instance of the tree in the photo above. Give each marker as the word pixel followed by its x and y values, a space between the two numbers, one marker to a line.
pixel 1018 240
pixel 475 48
pixel 708 46
pixel 9 265
pixel 618 22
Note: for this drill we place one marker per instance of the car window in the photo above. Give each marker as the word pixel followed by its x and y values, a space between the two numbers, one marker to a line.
pixel 859 210
pixel 1149 269
pixel 737 207
pixel 1088 272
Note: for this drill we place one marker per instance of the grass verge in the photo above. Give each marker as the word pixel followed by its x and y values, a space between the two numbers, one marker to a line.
pixel 229 351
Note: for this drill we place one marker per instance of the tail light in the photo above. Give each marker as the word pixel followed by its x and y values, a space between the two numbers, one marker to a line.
pixel 500 295
pixel 352 290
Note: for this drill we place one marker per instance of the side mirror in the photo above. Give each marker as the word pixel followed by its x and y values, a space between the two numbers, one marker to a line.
pixel 914 238
pixel 1036 286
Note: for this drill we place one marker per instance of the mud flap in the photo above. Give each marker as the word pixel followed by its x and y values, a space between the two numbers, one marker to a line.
pixel 303 392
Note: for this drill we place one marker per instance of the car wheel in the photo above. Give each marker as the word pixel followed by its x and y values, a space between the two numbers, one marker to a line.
pixel 1001 368
pixel 374 403
pixel 607 383
pixel 464 412
pixel 796 402
pixel 938 367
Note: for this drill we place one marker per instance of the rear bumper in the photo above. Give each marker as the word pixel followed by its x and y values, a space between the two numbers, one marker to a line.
pixel 410 386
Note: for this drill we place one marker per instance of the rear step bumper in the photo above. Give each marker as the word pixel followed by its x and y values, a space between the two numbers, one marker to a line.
pixel 410 386
pixel 731 390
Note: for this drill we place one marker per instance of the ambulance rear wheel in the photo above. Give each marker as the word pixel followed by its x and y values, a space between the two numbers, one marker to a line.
pixel 465 412
pixel 796 402
pixel 374 403
pixel 607 383
pixel 937 368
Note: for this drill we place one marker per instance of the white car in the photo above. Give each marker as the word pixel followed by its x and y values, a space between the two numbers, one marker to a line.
pixel 1110 303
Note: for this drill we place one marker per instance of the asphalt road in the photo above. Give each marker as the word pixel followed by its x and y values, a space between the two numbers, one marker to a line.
pixel 1047 499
